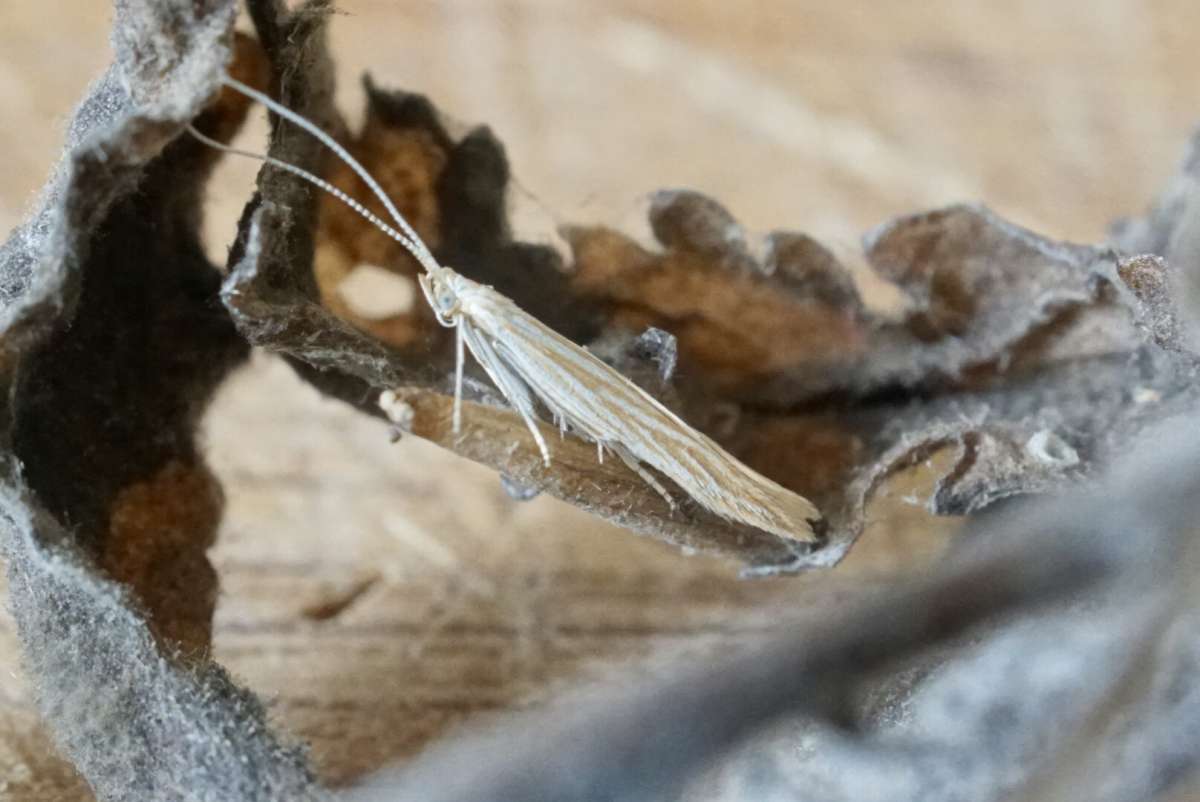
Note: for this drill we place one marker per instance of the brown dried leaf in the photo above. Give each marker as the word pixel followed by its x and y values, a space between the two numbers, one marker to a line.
pixel 1036 359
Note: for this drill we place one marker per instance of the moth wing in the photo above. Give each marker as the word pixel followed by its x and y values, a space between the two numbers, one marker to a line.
pixel 605 406
pixel 508 382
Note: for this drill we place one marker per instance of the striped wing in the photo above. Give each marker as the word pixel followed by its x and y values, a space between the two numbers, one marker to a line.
pixel 602 405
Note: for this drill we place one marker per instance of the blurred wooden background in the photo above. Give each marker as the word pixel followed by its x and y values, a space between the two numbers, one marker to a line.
pixel 381 595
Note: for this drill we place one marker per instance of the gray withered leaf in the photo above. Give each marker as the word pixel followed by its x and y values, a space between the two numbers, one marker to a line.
pixel 114 341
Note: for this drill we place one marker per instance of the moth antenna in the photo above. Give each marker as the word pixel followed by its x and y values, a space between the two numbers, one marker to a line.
pixel 311 178
pixel 415 245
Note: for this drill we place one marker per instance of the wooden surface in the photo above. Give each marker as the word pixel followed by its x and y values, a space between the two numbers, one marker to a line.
pixel 382 595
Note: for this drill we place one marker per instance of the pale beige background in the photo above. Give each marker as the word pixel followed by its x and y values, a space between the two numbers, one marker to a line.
pixel 822 116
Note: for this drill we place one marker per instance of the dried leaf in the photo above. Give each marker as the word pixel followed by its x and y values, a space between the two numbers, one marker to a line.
pixel 344 359
pixel 1035 359
pixel 114 341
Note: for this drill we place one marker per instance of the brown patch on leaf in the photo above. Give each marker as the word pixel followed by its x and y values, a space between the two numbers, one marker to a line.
pixel 402 146
pixel 814 455
pixel 159 532
pixel 407 162
pixel 809 269
pixel 734 327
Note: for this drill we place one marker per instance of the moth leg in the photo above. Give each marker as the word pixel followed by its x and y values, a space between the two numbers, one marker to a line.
pixel 459 358
pixel 636 466
pixel 511 385
pixel 427 288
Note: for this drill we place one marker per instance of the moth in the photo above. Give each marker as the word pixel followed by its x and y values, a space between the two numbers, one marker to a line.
pixel 529 362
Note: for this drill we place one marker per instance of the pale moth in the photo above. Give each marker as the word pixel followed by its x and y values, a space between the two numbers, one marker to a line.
pixel 527 360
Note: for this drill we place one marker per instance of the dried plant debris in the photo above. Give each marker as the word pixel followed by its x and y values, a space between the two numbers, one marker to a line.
pixel 1035 359
pixel 114 341
pixel 1039 362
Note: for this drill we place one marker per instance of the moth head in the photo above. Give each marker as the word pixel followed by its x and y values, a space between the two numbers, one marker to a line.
pixel 441 291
